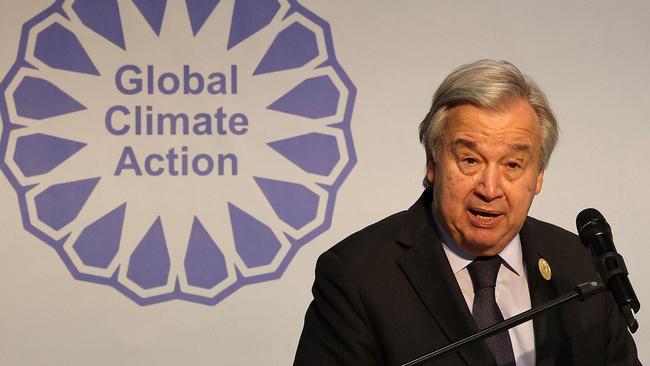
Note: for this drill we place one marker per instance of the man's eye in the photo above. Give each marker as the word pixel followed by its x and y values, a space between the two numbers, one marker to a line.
pixel 513 165
pixel 470 160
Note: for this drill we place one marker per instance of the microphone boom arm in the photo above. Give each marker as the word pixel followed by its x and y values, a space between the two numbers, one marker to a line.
pixel 580 292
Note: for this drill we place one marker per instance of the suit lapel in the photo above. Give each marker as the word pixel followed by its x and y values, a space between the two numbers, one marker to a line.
pixel 546 326
pixel 425 265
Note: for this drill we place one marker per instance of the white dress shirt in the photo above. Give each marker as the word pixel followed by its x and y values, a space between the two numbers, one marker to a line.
pixel 511 292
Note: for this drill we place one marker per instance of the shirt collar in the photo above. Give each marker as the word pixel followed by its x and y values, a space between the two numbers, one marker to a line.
pixel 511 255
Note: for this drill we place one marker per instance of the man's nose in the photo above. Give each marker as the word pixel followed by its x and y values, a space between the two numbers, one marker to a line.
pixel 489 184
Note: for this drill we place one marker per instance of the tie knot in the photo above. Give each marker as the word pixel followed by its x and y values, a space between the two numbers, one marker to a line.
pixel 483 271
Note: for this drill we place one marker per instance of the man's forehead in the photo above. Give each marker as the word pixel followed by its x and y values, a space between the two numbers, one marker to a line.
pixel 514 121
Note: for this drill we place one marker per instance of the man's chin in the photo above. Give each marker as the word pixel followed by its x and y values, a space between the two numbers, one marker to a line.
pixel 483 246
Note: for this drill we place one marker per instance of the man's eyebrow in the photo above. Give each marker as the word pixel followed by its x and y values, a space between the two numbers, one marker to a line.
pixel 473 145
pixel 520 147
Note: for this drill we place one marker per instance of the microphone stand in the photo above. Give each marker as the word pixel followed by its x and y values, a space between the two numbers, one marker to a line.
pixel 580 292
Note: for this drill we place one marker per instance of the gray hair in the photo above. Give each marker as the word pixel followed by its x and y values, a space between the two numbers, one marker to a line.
pixel 492 85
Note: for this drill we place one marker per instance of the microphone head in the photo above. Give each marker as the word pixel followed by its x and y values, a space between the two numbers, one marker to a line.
pixel 586 216
pixel 592 229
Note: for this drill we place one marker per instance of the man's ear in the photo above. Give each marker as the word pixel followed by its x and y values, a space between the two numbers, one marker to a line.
pixel 540 181
pixel 431 170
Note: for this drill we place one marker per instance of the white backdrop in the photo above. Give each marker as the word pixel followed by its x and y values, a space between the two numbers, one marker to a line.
pixel 590 57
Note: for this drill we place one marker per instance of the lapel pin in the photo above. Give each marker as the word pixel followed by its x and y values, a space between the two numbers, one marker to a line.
pixel 544 269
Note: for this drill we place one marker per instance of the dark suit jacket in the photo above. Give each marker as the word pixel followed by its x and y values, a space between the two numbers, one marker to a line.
pixel 386 295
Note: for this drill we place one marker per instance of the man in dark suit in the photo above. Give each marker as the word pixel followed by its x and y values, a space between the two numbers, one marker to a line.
pixel 466 255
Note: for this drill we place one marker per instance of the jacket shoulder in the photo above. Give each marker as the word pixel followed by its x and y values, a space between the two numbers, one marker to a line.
pixel 374 238
pixel 553 236
pixel 549 229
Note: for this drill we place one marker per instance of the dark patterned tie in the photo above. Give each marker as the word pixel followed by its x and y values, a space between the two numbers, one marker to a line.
pixel 483 271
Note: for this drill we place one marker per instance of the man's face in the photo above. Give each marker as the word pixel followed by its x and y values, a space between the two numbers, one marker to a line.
pixel 487 175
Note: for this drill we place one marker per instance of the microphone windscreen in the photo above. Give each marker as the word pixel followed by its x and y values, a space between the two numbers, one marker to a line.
pixel 586 216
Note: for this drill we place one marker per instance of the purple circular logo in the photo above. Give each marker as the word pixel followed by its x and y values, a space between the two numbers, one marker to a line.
pixel 176 149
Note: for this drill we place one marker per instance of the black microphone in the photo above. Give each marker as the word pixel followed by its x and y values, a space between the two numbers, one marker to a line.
pixel 596 235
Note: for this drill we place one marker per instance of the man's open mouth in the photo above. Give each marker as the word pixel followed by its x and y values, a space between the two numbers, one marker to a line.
pixel 483 214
